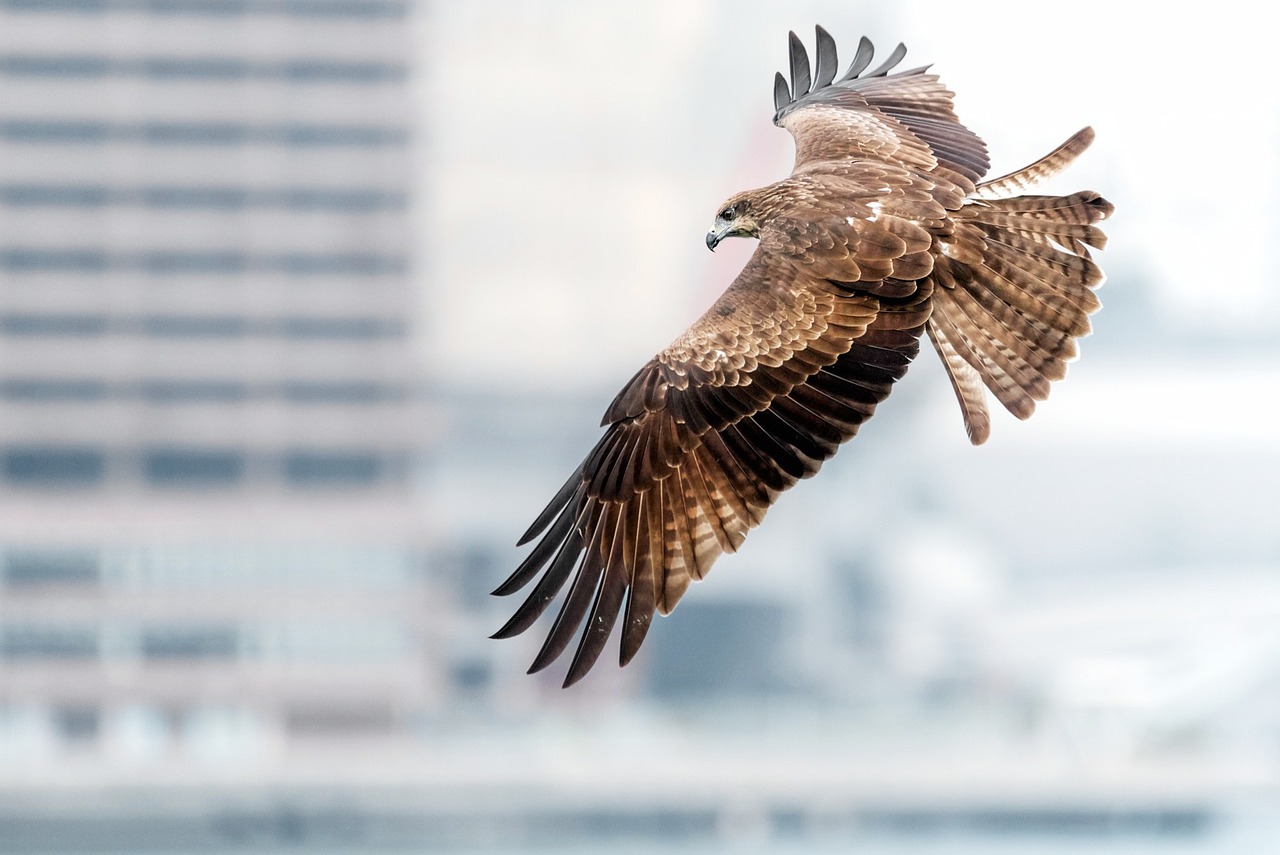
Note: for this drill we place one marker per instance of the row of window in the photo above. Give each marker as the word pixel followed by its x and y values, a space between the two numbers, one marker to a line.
pixel 93 390
pixel 198 198
pixel 210 133
pixel 197 468
pixel 210 730
pixel 90 66
pixel 96 325
pixel 218 8
pixel 89 260
pixel 26 569
pixel 223 566
pixel 218 642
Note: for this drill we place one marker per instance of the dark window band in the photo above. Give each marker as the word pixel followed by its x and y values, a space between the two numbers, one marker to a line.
pixel 174 467
pixel 206 198
pixel 91 325
pixel 196 391
pixel 216 69
pixel 225 134
pixel 369 9
pixel 91 260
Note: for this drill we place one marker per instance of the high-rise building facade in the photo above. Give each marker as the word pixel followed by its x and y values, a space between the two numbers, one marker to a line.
pixel 211 402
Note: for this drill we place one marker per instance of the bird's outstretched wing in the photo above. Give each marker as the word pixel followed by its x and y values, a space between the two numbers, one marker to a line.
pixel 904 117
pixel 750 399
pixel 883 229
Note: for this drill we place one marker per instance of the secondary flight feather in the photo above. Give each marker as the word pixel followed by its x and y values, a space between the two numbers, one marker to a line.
pixel 884 232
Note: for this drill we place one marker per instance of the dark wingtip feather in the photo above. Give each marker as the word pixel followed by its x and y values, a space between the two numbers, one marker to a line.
pixel 781 93
pixel 894 58
pixel 533 562
pixel 799 67
pixel 827 62
pixel 600 623
pixel 526 571
pixel 546 589
pixel 861 59
pixel 574 608
pixel 529 612
pixel 633 633
pixel 505 632
pixel 519 622
pixel 553 507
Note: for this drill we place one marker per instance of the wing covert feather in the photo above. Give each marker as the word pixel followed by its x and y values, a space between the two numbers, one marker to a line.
pixel 753 397
pixel 906 117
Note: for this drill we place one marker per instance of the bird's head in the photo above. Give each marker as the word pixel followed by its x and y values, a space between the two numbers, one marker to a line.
pixel 735 219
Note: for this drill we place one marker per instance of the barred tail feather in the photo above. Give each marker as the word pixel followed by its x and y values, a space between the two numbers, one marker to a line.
pixel 1046 167
pixel 967 384
pixel 1014 290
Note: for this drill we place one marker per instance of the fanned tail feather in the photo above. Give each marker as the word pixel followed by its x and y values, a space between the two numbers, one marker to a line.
pixel 1046 167
pixel 1015 284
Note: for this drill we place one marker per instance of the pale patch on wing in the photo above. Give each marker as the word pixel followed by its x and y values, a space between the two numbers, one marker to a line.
pixel 825 133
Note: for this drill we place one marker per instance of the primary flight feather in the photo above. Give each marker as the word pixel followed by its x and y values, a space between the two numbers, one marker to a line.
pixel 883 232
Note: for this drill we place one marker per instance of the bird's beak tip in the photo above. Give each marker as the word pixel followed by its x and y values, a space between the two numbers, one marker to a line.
pixel 712 240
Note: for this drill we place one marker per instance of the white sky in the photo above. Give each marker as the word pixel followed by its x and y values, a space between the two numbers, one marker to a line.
pixel 578 151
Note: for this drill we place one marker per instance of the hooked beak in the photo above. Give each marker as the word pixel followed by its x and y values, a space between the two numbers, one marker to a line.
pixel 715 236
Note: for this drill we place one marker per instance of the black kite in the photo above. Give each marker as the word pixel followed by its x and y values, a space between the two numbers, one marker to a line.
pixel 884 231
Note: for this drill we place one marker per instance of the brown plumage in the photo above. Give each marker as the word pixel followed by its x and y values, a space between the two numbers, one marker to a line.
pixel 884 231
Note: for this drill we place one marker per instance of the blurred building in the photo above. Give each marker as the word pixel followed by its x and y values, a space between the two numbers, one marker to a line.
pixel 211 408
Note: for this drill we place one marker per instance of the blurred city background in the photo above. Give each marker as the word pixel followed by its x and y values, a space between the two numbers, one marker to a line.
pixel 308 306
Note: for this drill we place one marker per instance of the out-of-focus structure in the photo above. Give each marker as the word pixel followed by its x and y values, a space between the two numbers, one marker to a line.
pixel 211 406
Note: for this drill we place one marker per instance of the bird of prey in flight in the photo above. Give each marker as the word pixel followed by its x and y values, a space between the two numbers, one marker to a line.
pixel 885 231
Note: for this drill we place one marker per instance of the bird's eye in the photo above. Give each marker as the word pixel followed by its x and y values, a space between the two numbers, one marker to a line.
pixel 727 213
